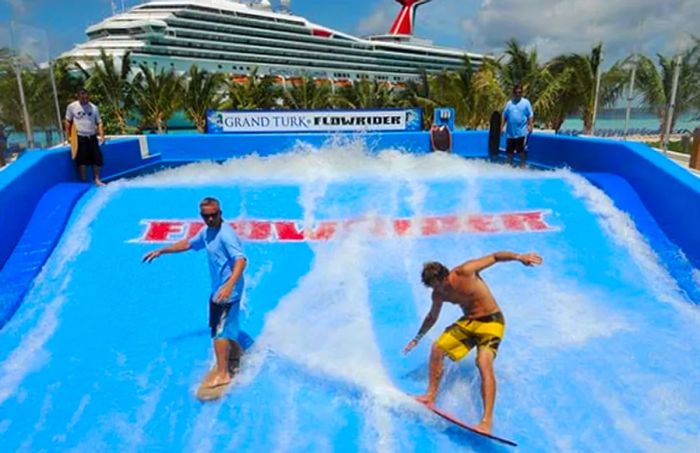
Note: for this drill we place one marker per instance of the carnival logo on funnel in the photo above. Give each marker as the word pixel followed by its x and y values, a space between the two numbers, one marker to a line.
pixel 171 230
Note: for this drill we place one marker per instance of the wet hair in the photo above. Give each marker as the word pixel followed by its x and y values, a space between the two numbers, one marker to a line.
pixel 208 201
pixel 434 272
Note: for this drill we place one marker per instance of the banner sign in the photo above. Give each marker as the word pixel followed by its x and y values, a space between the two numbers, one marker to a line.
pixel 171 230
pixel 230 121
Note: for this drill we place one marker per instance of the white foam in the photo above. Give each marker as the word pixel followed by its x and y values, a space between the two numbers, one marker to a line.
pixel 332 301
pixel 621 230
pixel 339 159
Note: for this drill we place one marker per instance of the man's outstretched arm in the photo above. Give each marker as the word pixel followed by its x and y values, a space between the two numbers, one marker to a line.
pixel 428 323
pixel 179 246
pixel 479 264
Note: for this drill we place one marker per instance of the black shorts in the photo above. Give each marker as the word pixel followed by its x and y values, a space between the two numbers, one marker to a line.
pixel 88 151
pixel 515 145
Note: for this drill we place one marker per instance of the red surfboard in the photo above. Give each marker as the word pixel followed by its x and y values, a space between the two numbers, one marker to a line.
pixel 451 418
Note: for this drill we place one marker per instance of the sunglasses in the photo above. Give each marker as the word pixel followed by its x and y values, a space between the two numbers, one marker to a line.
pixel 210 216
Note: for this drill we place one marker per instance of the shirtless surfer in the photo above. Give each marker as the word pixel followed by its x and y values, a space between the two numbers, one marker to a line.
pixel 482 325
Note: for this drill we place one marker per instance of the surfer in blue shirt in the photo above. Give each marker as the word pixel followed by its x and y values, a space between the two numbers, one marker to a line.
pixel 518 120
pixel 226 265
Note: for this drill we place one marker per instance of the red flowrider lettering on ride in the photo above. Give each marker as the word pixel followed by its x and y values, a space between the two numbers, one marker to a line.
pixel 378 227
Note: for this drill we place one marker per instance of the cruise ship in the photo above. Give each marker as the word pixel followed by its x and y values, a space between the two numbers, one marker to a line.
pixel 235 37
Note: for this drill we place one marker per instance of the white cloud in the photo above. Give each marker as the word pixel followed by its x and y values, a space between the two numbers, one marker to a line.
pixel 552 26
pixel 378 22
pixel 558 26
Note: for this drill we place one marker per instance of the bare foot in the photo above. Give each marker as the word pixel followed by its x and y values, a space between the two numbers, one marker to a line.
pixel 219 379
pixel 484 427
pixel 99 183
pixel 426 399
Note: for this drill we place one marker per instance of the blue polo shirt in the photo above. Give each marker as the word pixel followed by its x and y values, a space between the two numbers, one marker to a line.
pixel 516 115
pixel 223 248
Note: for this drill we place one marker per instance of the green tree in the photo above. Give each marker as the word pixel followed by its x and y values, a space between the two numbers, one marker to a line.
pixel 521 67
pixel 110 90
pixel 202 91
pixel 10 107
pixel 486 95
pixel 582 72
pixel 68 81
pixel 40 101
pixel 38 93
pixel 416 93
pixel 9 118
pixel 655 84
pixel 547 86
pixel 255 93
pixel 473 94
pixel 365 94
pixel 307 93
pixel 157 96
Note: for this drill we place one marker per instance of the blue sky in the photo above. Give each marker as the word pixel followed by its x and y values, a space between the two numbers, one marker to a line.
pixel 552 26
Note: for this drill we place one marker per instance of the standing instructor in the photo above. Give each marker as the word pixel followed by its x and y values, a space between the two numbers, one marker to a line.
pixel 518 119
pixel 86 117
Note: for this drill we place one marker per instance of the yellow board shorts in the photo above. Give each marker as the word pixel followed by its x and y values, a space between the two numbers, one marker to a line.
pixel 484 332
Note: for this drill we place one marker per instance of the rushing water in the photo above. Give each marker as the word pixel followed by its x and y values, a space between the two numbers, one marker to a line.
pixel 105 352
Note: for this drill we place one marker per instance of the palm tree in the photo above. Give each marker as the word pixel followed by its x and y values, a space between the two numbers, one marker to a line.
pixel 656 84
pixel 38 96
pixel 202 91
pixel 366 94
pixel 450 88
pixel 417 93
pixel 522 68
pixel 10 108
pixel 474 95
pixel 9 117
pixel 110 89
pixel 486 95
pixel 157 96
pixel 547 86
pixel 255 93
pixel 581 72
pixel 40 101
pixel 307 93
pixel 68 81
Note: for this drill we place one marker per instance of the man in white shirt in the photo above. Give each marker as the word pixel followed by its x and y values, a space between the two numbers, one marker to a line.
pixel 86 117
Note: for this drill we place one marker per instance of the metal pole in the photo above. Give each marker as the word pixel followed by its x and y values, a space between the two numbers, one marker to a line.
pixel 55 99
pixel 672 104
pixel 599 75
pixel 22 100
pixel 630 94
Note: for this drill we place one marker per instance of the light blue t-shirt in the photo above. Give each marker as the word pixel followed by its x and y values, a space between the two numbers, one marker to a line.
pixel 223 247
pixel 516 115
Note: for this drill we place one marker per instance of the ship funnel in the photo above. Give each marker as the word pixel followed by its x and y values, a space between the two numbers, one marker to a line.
pixel 403 24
